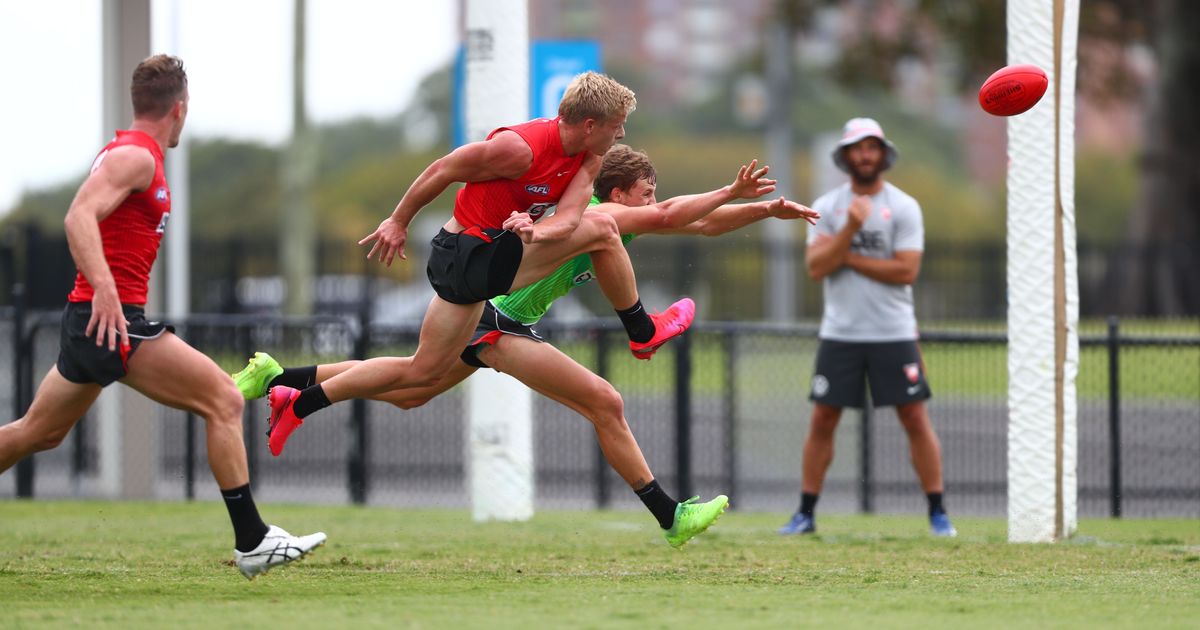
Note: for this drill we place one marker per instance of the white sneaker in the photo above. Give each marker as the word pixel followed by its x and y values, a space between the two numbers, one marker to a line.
pixel 277 547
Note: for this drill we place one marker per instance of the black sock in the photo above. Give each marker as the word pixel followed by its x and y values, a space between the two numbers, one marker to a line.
pixel 808 503
pixel 935 503
pixel 311 400
pixel 299 378
pixel 660 504
pixel 637 323
pixel 248 527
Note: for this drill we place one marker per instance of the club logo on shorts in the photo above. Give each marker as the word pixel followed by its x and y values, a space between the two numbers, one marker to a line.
pixel 538 189
pixel 912 371
pixel 820 385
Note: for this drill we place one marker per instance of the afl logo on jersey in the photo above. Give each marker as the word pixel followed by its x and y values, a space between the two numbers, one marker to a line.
pixel 538 189
pixel 161 194
pixel 584 277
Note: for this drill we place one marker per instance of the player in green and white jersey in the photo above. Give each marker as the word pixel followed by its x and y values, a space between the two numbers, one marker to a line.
pixel 506 341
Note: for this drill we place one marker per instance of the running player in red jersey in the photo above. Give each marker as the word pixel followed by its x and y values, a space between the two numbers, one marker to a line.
pixel 496 243
pixel 506 341
pixel 114 227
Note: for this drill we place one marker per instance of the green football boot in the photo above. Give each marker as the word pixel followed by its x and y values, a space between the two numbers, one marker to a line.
pixel 257 375
pixel 693 518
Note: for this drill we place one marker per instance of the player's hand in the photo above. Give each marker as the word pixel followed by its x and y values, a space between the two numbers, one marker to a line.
pixel 750 182
pixel 389 239
pixel 783 209
pixel 521 224
pixel 860 209
pixel 107 320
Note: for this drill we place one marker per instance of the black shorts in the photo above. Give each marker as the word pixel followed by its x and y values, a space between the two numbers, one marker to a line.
pixel 894 370
pixel 491 326
pixel 474 265
pixel 81 361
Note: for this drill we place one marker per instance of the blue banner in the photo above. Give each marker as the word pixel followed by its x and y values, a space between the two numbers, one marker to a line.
pixel 552 65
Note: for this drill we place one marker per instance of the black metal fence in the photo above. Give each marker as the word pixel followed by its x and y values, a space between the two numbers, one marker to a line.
pixel 723 410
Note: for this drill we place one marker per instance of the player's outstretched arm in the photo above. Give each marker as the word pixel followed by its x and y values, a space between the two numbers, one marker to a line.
pixel 732 217
pixel 678 212
pixel 115 174
pixel 505 156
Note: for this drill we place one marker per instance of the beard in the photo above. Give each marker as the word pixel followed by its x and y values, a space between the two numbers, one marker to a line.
pixel 865 174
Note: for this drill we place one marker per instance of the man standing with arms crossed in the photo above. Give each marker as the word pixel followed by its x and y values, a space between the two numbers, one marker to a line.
pixel 495 244
pixel 867 247
pixel 114 227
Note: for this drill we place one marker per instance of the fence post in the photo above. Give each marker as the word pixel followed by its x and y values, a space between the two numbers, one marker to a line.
pixel 683 413
pixel 189 457
pixel 866 489
pixel 250 429
pixel 21 359
pixel 600 472
pixel 356 461
pixel 731 412
pixel 1114 417
pixel 78 455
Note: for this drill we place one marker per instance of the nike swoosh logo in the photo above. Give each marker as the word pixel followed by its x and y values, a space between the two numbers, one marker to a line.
pixel 914 389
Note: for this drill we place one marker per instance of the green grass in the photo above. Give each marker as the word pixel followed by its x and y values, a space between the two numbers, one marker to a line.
pixel 99 564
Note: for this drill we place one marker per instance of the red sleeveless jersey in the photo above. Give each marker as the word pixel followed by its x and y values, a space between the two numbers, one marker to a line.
pixel 131 234
pixel 488 204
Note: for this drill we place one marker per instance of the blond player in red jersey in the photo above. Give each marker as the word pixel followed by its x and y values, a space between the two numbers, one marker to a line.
pixel 114 227
pixel 500 240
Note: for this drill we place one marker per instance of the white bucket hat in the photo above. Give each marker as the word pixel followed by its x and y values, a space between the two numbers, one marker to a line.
pixel 856 129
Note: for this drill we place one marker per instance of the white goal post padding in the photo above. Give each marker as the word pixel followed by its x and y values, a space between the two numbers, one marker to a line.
pixel 1043 303
pixel 499 408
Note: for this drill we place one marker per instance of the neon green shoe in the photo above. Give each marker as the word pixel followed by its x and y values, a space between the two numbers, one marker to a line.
pixel 691 519
pixel 257 375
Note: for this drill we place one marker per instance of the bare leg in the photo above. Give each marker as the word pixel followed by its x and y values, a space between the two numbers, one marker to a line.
pixel 56 407
pixel 409 397
pixel 818 448
pixel 175 374
pixel 553 374
pixel 596 235
pixel 444 333
pixel 924 447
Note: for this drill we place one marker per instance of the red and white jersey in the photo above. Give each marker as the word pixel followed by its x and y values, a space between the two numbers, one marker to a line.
pixel 131 233
pixel 488 204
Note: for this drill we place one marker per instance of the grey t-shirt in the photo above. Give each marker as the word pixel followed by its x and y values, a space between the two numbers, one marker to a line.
pixel 858 308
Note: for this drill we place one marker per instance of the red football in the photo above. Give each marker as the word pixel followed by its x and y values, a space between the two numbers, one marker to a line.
pixel 1012 90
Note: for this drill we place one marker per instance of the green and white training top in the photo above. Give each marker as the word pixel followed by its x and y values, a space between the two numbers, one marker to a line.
pixel 530 304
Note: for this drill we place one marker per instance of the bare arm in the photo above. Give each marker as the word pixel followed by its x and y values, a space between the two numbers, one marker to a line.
pixel 900 269
pixel 732 217
pixel 505 156
pixel 568 212
pixel 675 214
pixel 116 174
pixel 827 254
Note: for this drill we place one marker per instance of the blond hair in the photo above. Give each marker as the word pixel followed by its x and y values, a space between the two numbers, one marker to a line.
pixel 156 84
pixel 595 95
pixel 621 168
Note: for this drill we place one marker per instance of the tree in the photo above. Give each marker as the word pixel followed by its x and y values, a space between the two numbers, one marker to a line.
pixel 1159 278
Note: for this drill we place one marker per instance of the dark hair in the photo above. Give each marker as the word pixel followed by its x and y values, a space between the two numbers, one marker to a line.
pixel 621 169
pixel 157 83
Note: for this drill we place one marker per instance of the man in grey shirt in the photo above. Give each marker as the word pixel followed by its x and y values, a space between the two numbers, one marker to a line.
pixel 867 247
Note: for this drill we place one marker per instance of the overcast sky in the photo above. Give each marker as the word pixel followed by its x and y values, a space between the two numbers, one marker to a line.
pixel 365 58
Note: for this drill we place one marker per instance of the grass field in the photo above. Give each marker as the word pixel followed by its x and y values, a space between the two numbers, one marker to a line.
pixel 100 564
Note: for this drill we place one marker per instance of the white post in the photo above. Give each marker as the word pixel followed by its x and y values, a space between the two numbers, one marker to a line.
pixel 500 409
pixel 1043 300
